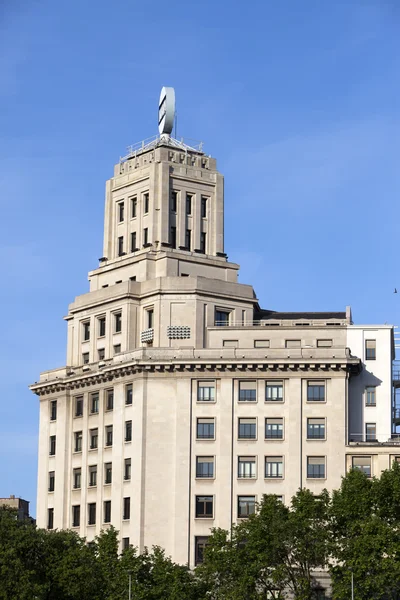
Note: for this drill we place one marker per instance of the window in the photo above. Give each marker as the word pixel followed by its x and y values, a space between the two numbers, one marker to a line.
pixel 101 353
pixel 94 403
pixel 370 432
pixel 107 511
pixel 315 429
pixel 370 396
pixel 94 438
pixel 92 513
pixel 150 318
pixel 324 344
pixel 77 478
pixel 145 236
pixel 274 428
pixel 247 391
pixel 52 480
pixel 102 326
pixel 188 239
pixel 78 441
pixel 117 349
pixel 206 391
pixel 52 448
pixel 85 358
pixel 204 207
pixel 230 343
pixel 146 203
pixel 133 241
pixel 246 506
pixel 362 463
pixel 53 410
pixel 86 331
pixel 133 207
pixel 109 399
pixel 128 394
pixel 109 435
pixel 172 237
pixel 121 210
pixel 203 242
pixel 205 429
pixel 128 431
pixel 221 318
pixel 315 391
pixel 117 322
pixel 174 201
pixel 261 343
pixel 204 507
pixel 125 543
pixel 370 349
pixel 247 467
pixel 120 242
pixel 247 429
pixel 274 467
pixel 188 204
pixel 108 473
pixel 76 515
pixel 200 542
pixel 79 406
pixel 50 518
pixel 93 476
pixel 127 509
pixel 316 467
pixel 274 391
pixel 292 343
pixel 127 468
pixel 205 467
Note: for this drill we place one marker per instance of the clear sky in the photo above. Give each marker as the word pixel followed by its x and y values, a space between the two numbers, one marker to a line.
pixel 298 101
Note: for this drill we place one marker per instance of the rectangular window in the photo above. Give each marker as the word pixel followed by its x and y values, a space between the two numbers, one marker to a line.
pixel 204 207
pixel 128 394
pixel 188 204
pixel 150 318
pixel 76 515
pixel 128 431
pixel 79 406
pixel 146 203
pixel 78 441
pixel 247 467
pixel 324 343
pixel 53 410
pixel 85 358
pixel 203 242
pixel 107 511
pixel 370 396
pixel 145 236
pixel 108 473
pixel 206 391
pixel 205 429
pixel 274 467
pixel 246 506
pixel 127 469
pixel 292 343
pixel 247 391
pixel 221 318
pixel 109 435
pixel 370 349
pixel 52 445
pixel 101 353
pixel 94 438
pixel 93 476
pixel 52 480
pixel 370 432
pixel 200 542
pixel 102 326
pixel 92 513
pixel 205 467
pixel 120 242
pixel 94 403
pixel 174 201
pixel 133 207
pixel 315 429
pixel 109 399
pixel 117 322
pixel 50 518
pixel 188 239
pixel 274 391
pixel 247 429
pixel 172 237
pixel 121 210
pixel 125 543
pixel 261 343
pixel 316 467
pixel 274 428
pixel 204 507
pixel 127 509
pixel 117 349
pixel 133 242
pixel 316 391
pixel 362 463
pixel 86 331
pixel 77 478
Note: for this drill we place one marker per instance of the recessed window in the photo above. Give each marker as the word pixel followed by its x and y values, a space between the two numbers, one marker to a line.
pixel 108 473
pixel 247 391
pixel 315 429
pixel 53 410
pixel 127 468
pixel 52 481
pixel 230 343
pixel 274 391
pixel 246 506
pixel 146 203
pixel 50 518
pixel 274 428
pixel 247 467
pixel 172 237
pixel 120 245
pixel 125 543
pixel 133 242
pixel 204 207
pixel 316 467
pixel 86 331
pixel 117 348
pixel 101 353
pixel 316 391
pixel 127 509
pixel 85 358
pixel 128 431
pixel 102 326
pixel 92 513
pixel 203 242
pixel 362 463
pixel 221 318
pixel 117 322
pixel 205 467
pixel 107 511
pixel 370 432
pixel 324 343
pixel 78 441
pixel 274 467
pixel 247 429
pixel 52 445
pixel 205 429
pixel 133 207
pixel 189 204
pixel 150 318
pixel 261 343
pixel 109 435
pixel 370 396
pixel 128 394
pixel 94 403
pixel 121 210
pixel 188 239
pixel 206 391
pixel 200 543
pixel 204 507
pixel 77 478
pixel 93 476
pixel 145 236
pixel 292 343
pixel 76 515
pixel 94 438
pixel 174 201
pixel 370 349
pixel 109 399
pixel 79 406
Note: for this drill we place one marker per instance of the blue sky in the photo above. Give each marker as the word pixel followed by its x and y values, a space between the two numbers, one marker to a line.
pixel 298 101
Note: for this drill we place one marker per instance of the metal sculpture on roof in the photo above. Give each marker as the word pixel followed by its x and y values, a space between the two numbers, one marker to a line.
pixel 166 111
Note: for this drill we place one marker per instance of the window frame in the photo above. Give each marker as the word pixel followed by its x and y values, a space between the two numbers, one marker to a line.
pixel 360 467
pixel 117 321
pixel 200 542
pixel 52 481
pixel 368 392
pixel 109 395
pixel 91 513
pixel 308 424
pixel 203 500
pixel 76 515
pixel 127 469
pixel 94 403
pixel 247 460
pixel 77 478
pixel 126 508
pixel 53 410
pixel 250 389
pixel 209 462
pixel 372 349
pixel 201 386
pixel 78 402
pixel 128 434
pixel 308 476
pixel 92 479
pixel 242 436
pixel 368 437
pixel 129 394
pixel 133 206
pixel 241 499
pixel 52 445
pixel 120 211
pixel 101 326
pixel 108 473
pixel 222 322
pixel 86 330
pixel 274 438
pixel 107 511
pixel 108 438
pixel 275 462
pixel 94 435
pixel 279 385
pixel 312 385
pixel 211 422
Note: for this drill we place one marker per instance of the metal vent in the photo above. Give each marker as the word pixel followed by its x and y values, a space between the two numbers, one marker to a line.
pixel 147 335
pixel 178 332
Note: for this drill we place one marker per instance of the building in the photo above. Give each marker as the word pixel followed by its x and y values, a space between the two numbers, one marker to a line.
pixel 21 506
pixel 183 401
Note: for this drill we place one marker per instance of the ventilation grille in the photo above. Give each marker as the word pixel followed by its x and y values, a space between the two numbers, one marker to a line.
pixel 178 332
pixel 147 335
